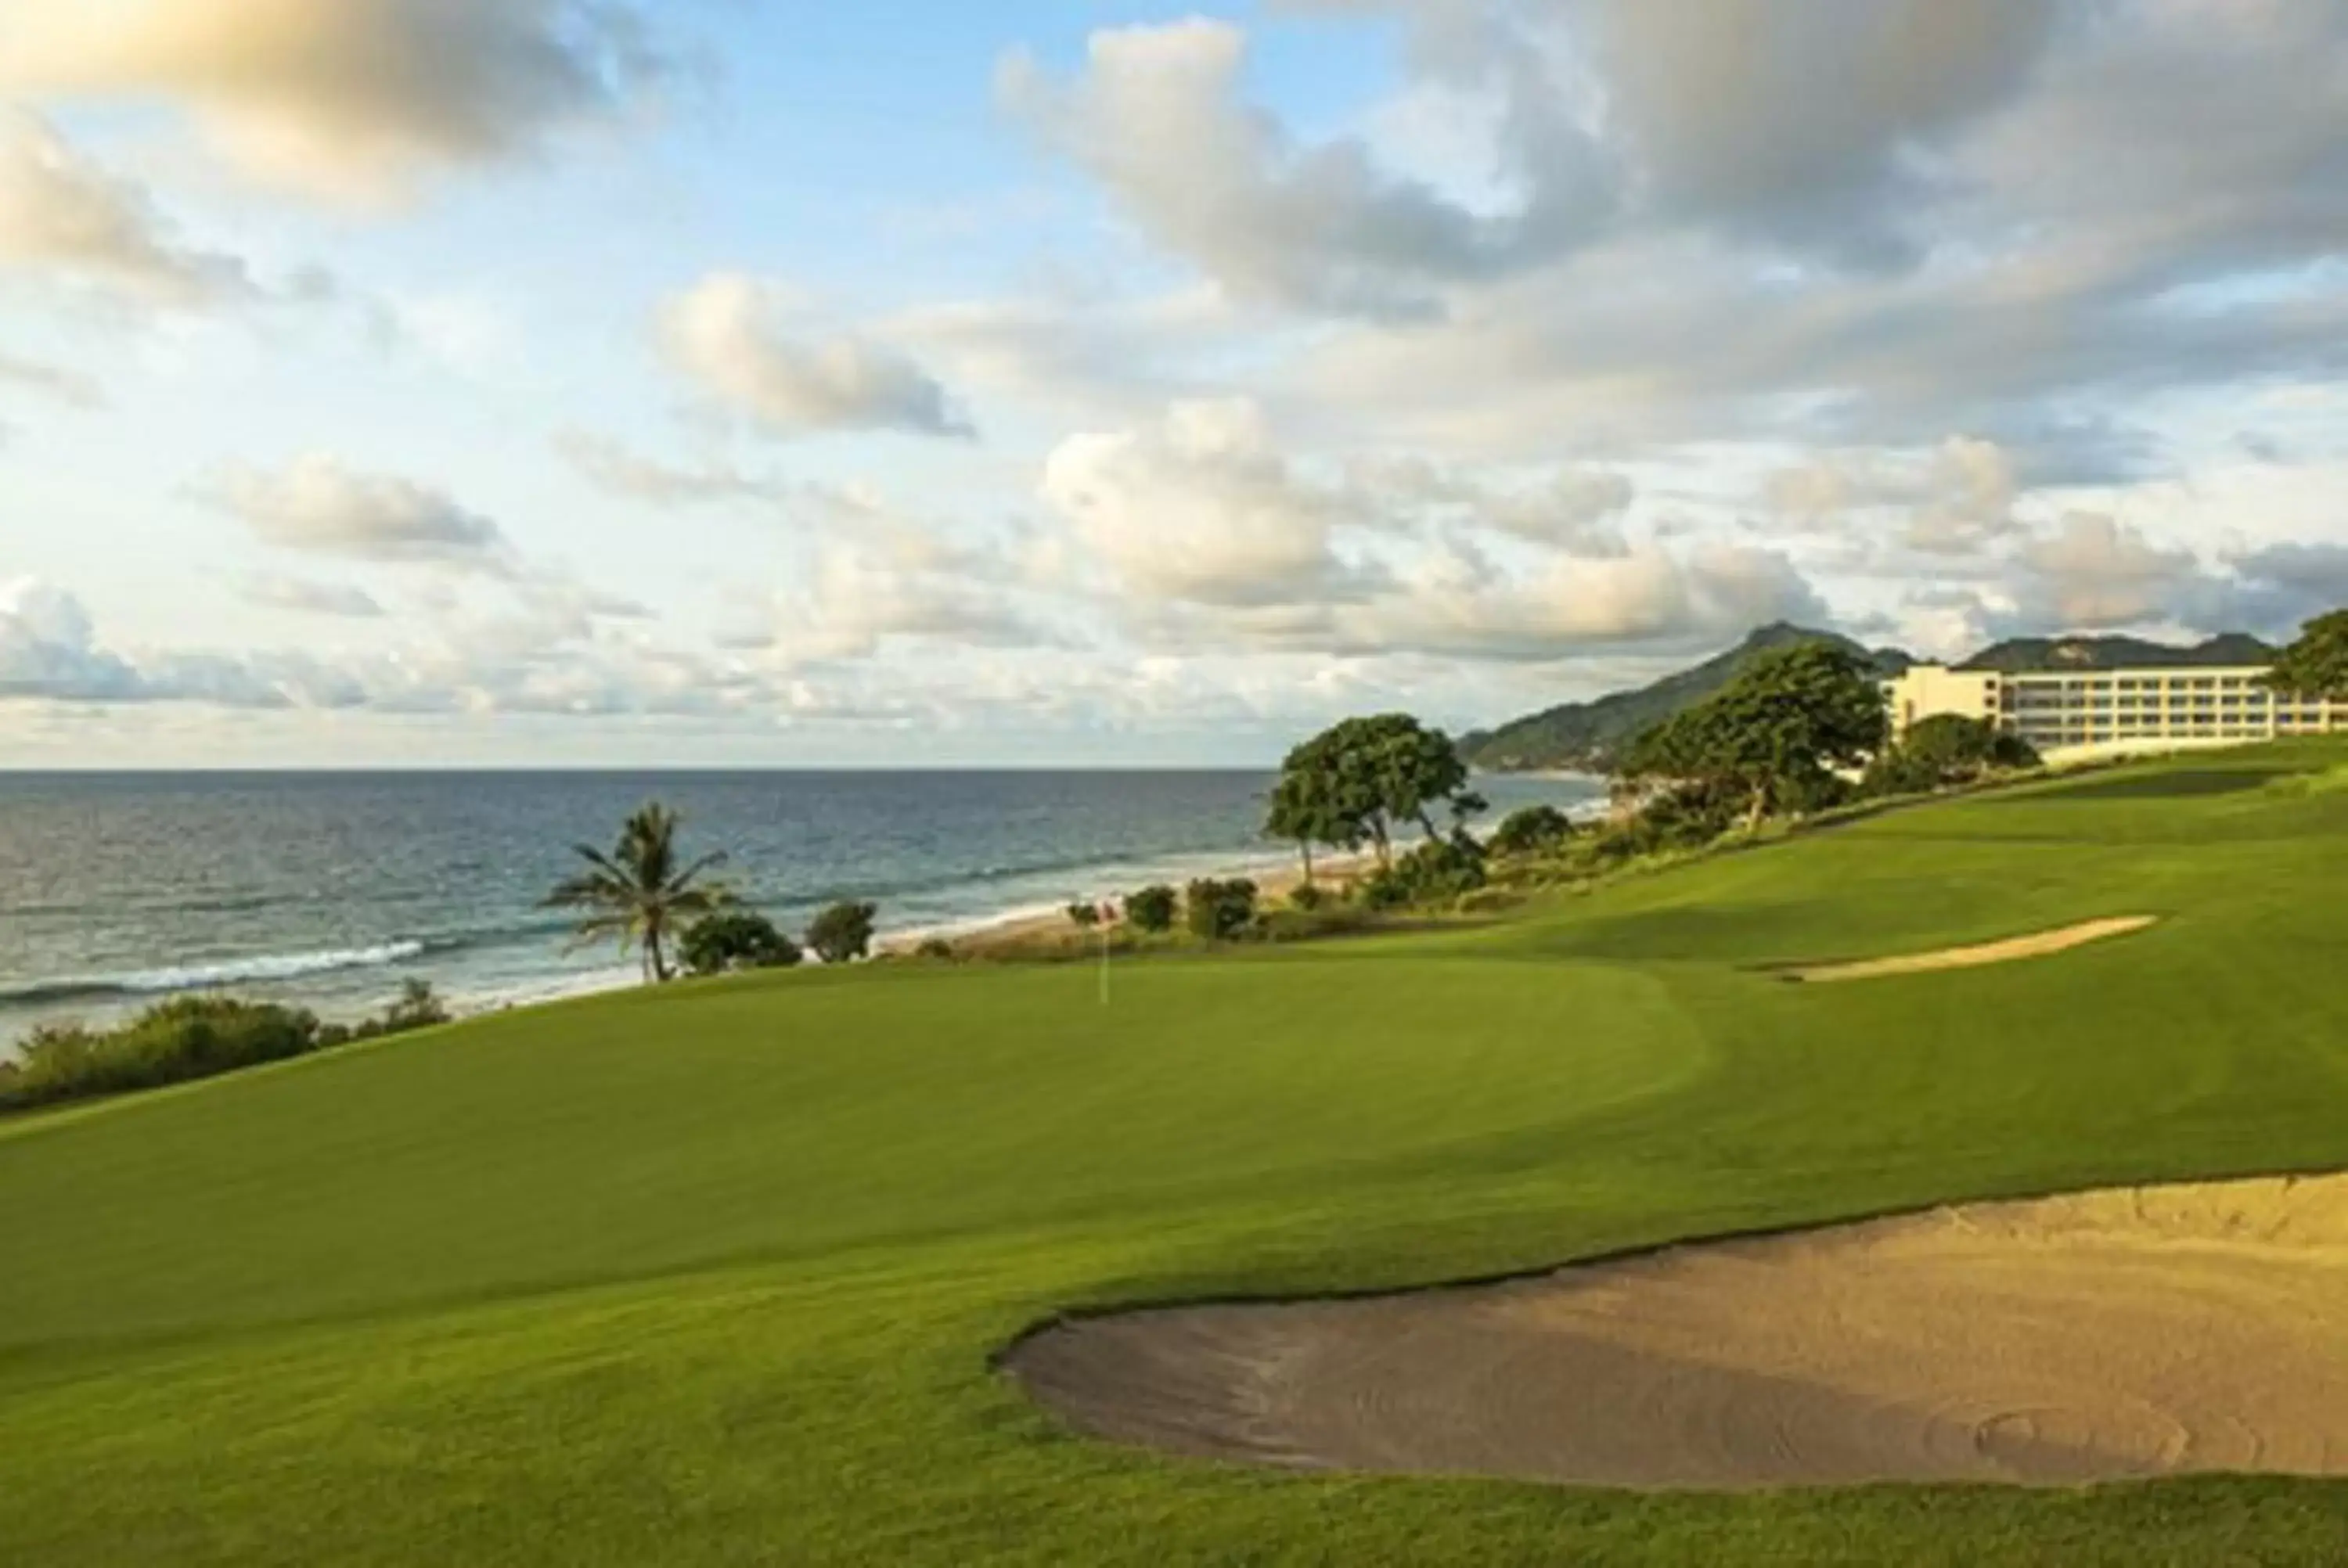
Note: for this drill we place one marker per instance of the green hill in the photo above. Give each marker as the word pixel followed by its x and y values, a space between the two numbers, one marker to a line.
pixel 712 1276
pixel 2027 653
pixel 1585 735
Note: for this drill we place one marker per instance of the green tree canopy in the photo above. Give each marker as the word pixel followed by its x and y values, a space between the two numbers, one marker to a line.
pixel 638 892
pixel 2316 666
pixel 1529 830
pixel 1358 780
pixel 842 933
pixel 734 939
pixel 1772 735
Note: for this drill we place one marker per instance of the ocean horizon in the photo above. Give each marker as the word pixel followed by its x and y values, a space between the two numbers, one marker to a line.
pixel 329 888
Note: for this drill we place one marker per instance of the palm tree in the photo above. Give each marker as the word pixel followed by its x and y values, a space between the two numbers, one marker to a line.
pixel 636 893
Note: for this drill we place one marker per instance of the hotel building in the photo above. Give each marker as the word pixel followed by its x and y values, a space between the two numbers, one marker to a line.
pixel 2074 711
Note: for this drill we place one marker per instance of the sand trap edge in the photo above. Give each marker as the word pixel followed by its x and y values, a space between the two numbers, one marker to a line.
pixel 1978 955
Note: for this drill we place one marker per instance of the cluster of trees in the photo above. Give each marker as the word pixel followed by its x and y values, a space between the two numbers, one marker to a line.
pixel 1358 781
pixel 646 895
pixel 187 1037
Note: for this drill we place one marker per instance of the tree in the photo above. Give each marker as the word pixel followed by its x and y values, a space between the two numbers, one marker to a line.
pixel 1084 915
pixel 1219 910
pixel 1151 908
pixel 732 939
pixel 637 892
pixel 1305 808
pixel 1359 779
pixel 1775 734
pixel 2315 667
pixel 1943 750
pixel 419 1006
pixel 1531 830
pixel 843 933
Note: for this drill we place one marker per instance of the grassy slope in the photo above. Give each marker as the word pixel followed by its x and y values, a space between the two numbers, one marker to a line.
pixel 712 1277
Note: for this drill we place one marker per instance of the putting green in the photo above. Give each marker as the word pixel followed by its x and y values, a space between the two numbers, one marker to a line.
pixel 714 1276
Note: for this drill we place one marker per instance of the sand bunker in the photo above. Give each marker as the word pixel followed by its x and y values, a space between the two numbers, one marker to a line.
pixel 2128 1333
pixel 2005 952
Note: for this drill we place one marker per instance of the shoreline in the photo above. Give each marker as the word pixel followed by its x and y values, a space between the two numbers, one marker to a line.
pixel 997 933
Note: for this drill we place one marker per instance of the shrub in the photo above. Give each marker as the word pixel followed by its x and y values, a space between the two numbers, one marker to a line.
pixel 1084 915
pixel 734 939
pixel 1531 830
pixel 419 1006
pixel 1219 910
pixel 935 948
pixel 843 933
pixel 1151 908
pixel 1306 897
pixel 171 1042
pixel 1944 750
pixel 1439 871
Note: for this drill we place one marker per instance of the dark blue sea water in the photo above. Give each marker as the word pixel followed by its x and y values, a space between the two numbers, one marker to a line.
pixel 330 889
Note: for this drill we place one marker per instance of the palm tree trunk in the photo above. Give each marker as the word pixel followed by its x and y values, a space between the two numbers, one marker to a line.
pixel 653 956
pixel 1305 846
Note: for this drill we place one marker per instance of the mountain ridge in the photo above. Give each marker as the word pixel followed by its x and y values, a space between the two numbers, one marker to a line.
pixel 1584 736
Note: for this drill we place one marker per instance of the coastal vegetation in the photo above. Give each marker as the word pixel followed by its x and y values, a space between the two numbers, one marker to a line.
pixel 643 1278
pixel 639 894
pixel 187 1037
pixel 842 932
pixel 730 939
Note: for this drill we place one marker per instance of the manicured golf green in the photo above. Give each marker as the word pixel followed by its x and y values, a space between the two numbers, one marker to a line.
pixel 712 1276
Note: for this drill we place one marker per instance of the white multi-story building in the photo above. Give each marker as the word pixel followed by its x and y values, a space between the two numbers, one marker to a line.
pixel 2072 711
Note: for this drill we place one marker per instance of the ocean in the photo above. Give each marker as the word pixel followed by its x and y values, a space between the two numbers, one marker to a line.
pixel 330 889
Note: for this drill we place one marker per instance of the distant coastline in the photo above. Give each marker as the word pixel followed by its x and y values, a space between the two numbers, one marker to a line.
pixel 327 891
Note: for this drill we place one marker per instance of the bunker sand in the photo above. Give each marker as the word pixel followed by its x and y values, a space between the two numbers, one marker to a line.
pixel 2038 946
pixel 2126 1332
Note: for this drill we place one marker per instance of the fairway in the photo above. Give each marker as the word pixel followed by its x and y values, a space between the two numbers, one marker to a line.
pixel 717 1275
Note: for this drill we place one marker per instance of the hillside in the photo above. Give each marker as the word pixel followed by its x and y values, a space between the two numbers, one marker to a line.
pixel 717 1275
pixel 2018 655
pixel 1584 735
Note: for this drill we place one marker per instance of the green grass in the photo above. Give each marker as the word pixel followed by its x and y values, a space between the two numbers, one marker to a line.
pixel 713 1276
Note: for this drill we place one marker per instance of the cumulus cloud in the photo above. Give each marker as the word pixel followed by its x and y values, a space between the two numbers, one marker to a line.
pixel 1204 508
pixel 1157 118
pixel 1212 536
pixel 747 343
pixel 1951 499
pixel 349 99
pixel 2090 570
pixel 1808 123
pixel 320 504
pixel 307 595
pixel 61 213
pixel 902 584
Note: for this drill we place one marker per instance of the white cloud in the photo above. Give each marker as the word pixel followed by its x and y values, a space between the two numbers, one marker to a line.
pixel 347 99
pixel 320 504
pixel 1201 508
pixel 901 584
pixel 745 341
pixel 1952 498
pixel 62 214
pixel 307 595
pixel 1158 118
pixel 612 468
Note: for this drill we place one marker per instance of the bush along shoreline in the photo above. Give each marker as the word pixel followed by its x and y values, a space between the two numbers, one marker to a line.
pixel 186 1038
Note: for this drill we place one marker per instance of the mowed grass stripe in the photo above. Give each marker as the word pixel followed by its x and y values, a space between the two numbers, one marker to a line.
pixel 712 1276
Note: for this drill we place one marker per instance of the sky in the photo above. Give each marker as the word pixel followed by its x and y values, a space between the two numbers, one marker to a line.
pixel 742 382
